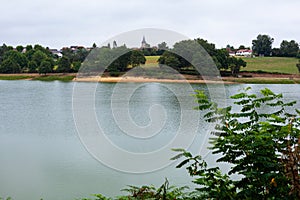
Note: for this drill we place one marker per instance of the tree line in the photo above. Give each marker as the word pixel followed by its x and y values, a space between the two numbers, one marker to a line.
pixel 39 59
pixel 193 55
pixel 262 46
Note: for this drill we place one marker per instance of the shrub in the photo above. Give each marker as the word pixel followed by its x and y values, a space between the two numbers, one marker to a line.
pixel 262 146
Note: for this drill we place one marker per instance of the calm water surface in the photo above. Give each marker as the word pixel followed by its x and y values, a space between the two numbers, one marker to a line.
pixel 41 155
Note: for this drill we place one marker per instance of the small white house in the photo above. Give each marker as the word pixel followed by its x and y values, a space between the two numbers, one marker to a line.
pixel 243 52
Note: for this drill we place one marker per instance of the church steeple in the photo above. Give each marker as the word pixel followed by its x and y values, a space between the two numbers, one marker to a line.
pixel 144 43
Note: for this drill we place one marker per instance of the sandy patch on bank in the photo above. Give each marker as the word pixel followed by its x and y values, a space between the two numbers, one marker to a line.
pixel 141 80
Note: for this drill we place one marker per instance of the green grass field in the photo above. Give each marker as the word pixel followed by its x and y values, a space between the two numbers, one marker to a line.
pixel 151 61
pixel 271 64
pixel 12 78
pixel 258 64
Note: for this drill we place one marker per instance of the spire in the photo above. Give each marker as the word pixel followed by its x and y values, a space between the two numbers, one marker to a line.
pixel 144 40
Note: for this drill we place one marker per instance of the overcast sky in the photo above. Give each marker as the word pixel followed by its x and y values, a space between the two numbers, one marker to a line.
pixel 80 22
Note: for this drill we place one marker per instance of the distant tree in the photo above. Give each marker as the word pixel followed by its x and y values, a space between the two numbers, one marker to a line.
pixel 20 48
pixel 29 53
pixel 170 59
pixel 229 47
pixel 75 66
pixel 163 46
pixel 18 58
pixel 28 48
pixel 243 47
pixel 45 67
pixel 209 47
pixel 276 52
pixel 190 51
pixel 262 45
pixel 221 58
pixel 108 46
pixel 94 45
pixel 3 50
pixel 289 48
pixel 137 58
pixel 115 44
pixel 9 66
pixel 32 67
pixel 46 51
pixel 38 57
pixel 235 65
pixel 79 55
pixel 64 64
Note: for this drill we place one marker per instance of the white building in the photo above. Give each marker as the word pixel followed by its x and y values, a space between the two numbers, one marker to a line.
pixel 244 52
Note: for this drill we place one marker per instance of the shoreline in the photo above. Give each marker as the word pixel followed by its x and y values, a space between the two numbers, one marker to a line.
pixel 72 77
pixel 134 79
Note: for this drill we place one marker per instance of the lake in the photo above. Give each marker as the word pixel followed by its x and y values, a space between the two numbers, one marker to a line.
pixel 49 150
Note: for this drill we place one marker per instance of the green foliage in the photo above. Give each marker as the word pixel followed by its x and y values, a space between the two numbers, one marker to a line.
pixel 64 64
pixel 235 65
pixel 32 67
pixel 169 59
pixel 262 45
pixel 201 54
pixel 13 62
pixel 164 192
pixel 289 48
pixel 261 146
pixel 45 67
pixel 54 78
pixel 10 66
pixel 12 78
pixel 215 185
pixel 137 58
pixel 38 57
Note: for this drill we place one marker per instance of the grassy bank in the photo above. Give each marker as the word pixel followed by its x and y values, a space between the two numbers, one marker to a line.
pixel 263 80
pixel 271 65
pixel 19 77
pixel 52 77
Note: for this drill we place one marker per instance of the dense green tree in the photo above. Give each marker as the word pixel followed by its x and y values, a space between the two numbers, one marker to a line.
pixel 289 48
pixel 3 49
pixel 169 59
pixel 259 136
pixel 38 57
pixel 32 67
pixel 262 45
pixel 276 52
pixel 63 65
pixel 10 66
pixel 75 66
pixel 29 54
pixel 235 65
pixel 17 58
pixel 28 48
pixel 221 58
pixel 45 67
pixel 201 57
pixel 137 58
pixel 243 47
pixel 163 46
pixel 210 48
pixel 19 48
